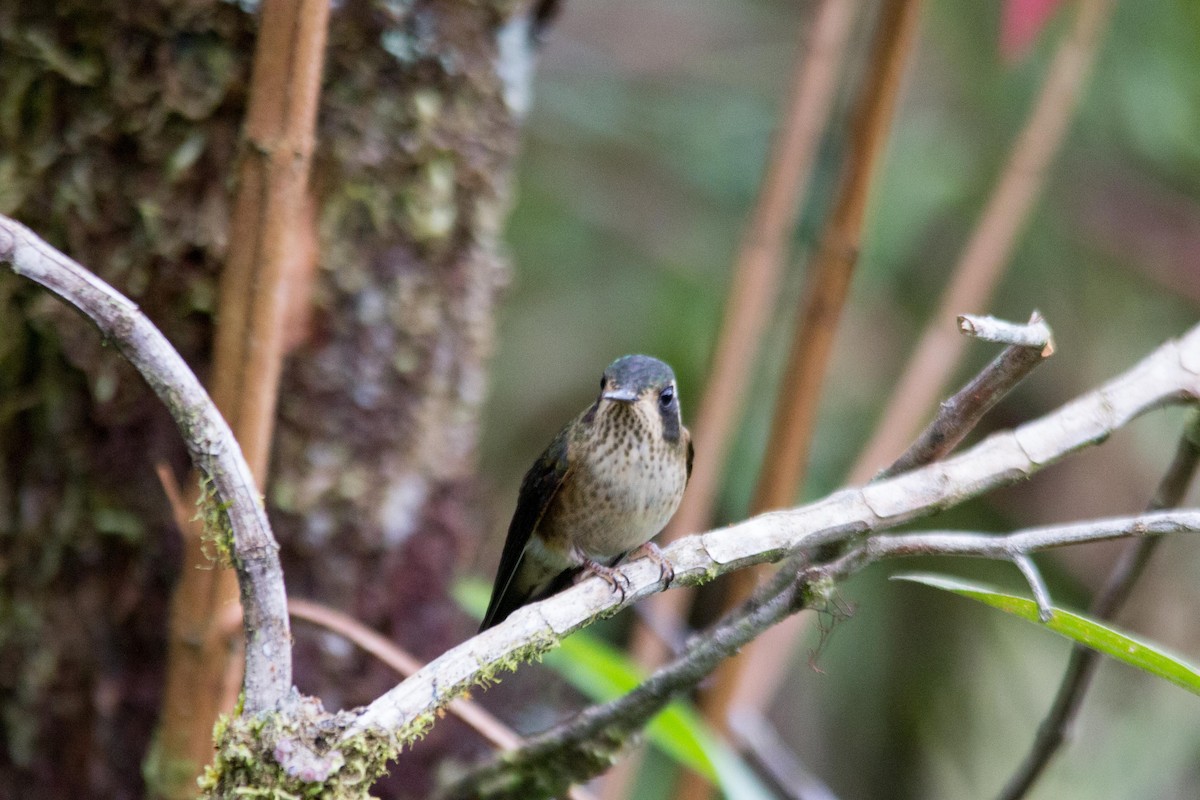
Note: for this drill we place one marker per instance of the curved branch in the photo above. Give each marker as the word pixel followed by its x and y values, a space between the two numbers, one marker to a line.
pixel 1169 374
pixel 209 441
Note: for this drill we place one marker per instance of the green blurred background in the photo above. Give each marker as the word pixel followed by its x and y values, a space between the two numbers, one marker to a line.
pixel 643 152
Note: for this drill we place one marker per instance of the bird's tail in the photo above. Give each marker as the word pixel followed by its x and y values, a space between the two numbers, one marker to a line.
pixel 508 598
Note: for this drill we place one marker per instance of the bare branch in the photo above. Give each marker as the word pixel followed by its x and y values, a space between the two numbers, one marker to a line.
pixel 209 441
pixel 1028 346
pixel 1017 545
pixel 1169 374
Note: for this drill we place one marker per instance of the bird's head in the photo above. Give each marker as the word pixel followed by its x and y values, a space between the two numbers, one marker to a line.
pixel 645 386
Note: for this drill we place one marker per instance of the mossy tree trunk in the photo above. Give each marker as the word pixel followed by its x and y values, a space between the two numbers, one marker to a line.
pixel 119 125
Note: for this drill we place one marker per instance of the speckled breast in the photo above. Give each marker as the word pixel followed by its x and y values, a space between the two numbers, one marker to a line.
pixel 619 497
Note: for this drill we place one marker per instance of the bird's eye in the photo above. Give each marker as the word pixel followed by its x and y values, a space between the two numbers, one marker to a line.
pixel 666 397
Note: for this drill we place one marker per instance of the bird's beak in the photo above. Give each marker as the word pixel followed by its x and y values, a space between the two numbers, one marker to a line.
pixel 620 395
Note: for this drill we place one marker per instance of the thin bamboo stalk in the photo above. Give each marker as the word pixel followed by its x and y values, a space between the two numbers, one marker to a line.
pixel 259 280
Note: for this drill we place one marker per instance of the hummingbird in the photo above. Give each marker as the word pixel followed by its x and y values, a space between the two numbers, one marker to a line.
pixel 605 486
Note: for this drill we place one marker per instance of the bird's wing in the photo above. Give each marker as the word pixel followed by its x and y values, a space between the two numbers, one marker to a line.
pixel 691 455
pixel 538 488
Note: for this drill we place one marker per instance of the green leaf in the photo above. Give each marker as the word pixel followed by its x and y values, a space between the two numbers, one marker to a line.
pixel 1079 628
pixel 602 673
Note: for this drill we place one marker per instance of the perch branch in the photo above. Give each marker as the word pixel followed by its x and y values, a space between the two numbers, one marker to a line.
pixel 209 440
pixel 1083 662
pixel 1170 374
pixel 470 712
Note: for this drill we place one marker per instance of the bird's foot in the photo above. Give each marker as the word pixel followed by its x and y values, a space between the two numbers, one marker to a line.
pixel 612 576
pixel 666 570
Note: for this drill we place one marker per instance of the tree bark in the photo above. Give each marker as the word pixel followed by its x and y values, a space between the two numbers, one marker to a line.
pixel 119 125
pixel 372 496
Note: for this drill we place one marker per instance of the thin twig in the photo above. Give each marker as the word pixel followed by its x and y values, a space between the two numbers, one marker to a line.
pixel 987 253
pixel 1028 346
pixel 1011 546
pixel 785 461
pixel 1081 668
pixel 1034 333
pixel 1041 594
pixel 260 287
pixel 1171 374
pixel 215 453
pixel 174 493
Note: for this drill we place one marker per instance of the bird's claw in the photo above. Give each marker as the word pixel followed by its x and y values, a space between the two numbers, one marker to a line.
pixel 610 575
pixel 666 570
